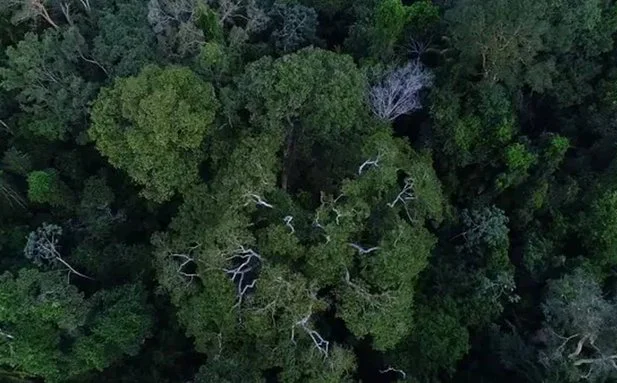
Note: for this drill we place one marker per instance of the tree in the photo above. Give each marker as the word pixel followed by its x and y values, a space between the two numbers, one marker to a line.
pixel 438 342
pixel 294 26
pixel 174 22
pixel 44 250
pixel 43 71
pixel 40 310
pixel 254 252
pixel 125 41
pixel 579 327
pixel 24 10
pixel 311 96
pixel 398 93
pixel 121 321
pixel 170 113
pixel 45 186
pixel 498 40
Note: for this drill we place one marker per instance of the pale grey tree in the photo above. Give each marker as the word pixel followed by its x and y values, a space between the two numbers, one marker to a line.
pixel 398 93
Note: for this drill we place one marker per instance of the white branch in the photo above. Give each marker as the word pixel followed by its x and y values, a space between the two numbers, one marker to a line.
pixel 391 369
pixel 86 4
pixel 287 221
pixel 362 250
pixel 258 201
pixel 405 195
pixel 398 94
pixel 320 343
pixel 185 260
pixel 369 162
pixel 247 259
pixel 6 335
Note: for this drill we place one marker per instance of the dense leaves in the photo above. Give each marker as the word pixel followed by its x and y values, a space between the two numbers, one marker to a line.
pixel 153 126
pixel 308 191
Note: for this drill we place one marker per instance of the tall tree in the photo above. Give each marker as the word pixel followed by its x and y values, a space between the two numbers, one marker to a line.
pixel 169 112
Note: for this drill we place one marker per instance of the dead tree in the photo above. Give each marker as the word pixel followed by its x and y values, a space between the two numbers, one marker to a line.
pixel 42 248
pixel 399 92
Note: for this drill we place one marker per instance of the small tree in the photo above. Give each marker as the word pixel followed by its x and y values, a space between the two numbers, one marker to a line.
pixel 45 186
pixel 42 248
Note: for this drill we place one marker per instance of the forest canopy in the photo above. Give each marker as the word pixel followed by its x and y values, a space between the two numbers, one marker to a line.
pixel 308 191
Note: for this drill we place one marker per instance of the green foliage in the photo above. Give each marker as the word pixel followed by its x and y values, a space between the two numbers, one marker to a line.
pixel 599 227
pixel 45 186
pixel 36 309
pixel 169 113
pixel 125 41
pixel 505 34
pixel 473 129
pixel 16 161
pixel 43 71
pixel 437 343
pixel 294 26
pixel 40 311
pixel 208 21
pixel 286 234
pixel 422 15
pixel 390 19
pixel 121 322
pixel 321 89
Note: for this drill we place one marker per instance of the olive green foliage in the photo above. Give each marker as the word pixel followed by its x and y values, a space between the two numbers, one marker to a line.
pixel 43 71
pixel 199 191
pixel 598 228
pixel 154 125
pixel 40 311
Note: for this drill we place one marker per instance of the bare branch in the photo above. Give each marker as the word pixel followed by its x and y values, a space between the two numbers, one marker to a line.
pixel 405 195
pixel 391 369
pixel 6 127
pixel 185 259
pixel 287 221
pixel 398 93
pixel 66 11
pixel 6 335
pixel 254 198
pixel 368 163
pixel 246 260
pixel 362 250
pixel 42 247
pixel 86 4
pixel 320 343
